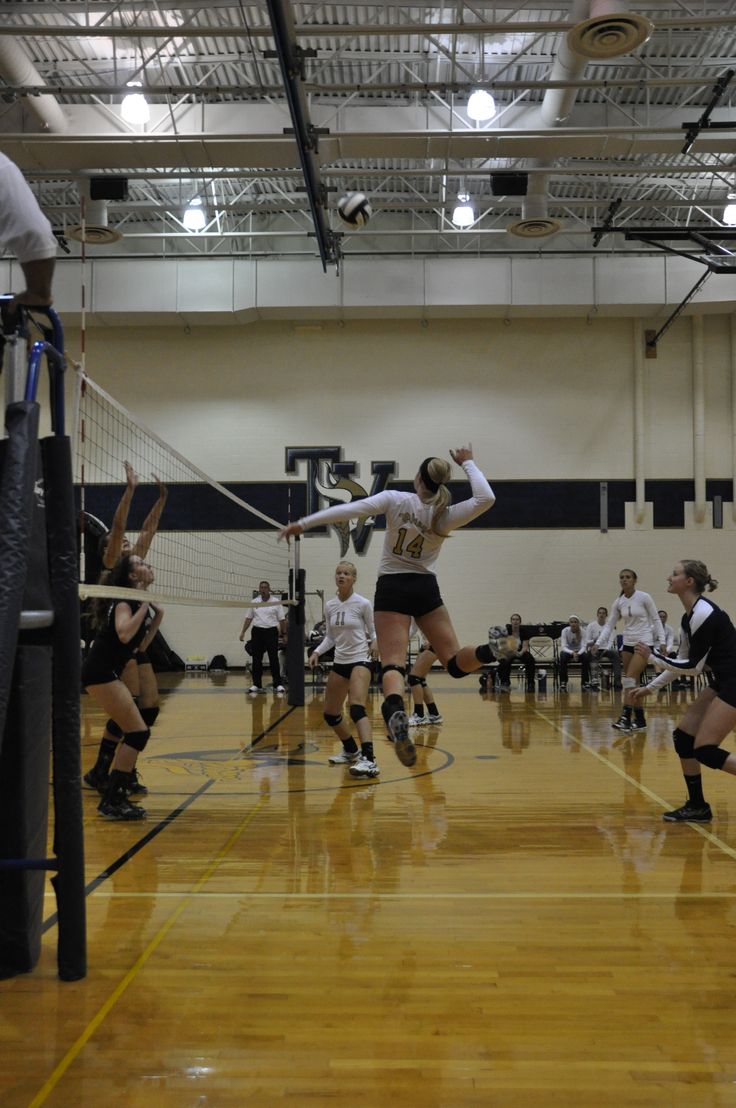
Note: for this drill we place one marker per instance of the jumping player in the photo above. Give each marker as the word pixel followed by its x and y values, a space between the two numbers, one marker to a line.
pixel 417 523
pixel 138 674
pixel 128 627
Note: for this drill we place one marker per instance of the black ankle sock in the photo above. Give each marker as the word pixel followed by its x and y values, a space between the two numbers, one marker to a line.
pixel 694 784
pixel 349 745
pixel 432 709
pixel 639 715
pixel 626 711
pixel 418 709
pixel 367 751
pixel 106 753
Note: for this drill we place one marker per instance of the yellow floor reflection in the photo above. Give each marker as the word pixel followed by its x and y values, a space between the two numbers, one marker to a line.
pixel 507 923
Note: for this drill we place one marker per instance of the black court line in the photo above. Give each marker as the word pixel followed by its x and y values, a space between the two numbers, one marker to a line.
pixel 162 825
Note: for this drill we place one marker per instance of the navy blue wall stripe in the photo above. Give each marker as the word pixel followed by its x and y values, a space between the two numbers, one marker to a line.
pixel 520 505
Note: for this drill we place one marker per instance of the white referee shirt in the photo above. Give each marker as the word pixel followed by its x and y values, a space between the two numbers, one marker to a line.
pixel 265 616
pixel 640 618
pixel 24 229
pixel 409 544
pixel 350 629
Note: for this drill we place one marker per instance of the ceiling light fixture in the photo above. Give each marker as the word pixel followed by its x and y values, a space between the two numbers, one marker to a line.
pixel 463 214
pixel 729 212
pixel 134 108
pixel 194 218
pixel 481 106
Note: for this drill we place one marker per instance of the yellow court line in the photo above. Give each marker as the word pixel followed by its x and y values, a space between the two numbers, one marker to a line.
pixel 675 895
pixel 724 847
pixel 132 973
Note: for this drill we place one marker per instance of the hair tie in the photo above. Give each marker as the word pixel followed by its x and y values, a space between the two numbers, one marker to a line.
pixel 428 482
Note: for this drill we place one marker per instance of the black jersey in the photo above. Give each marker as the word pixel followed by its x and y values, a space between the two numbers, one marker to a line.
pixel 707 638
pixel 108 653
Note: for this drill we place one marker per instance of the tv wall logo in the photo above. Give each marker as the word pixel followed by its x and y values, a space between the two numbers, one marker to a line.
pixel 331 479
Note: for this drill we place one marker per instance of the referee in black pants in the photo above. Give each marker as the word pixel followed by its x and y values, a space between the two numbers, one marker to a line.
pixel 268 621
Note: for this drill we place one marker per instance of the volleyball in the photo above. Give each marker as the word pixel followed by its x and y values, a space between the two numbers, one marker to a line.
pixel 354 209
pixel 501 643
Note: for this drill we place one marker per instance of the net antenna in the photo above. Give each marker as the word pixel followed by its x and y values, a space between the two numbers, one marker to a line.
pixel 211 547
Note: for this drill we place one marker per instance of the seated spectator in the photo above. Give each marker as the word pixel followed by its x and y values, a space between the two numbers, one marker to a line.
pixel 592 631
pixel 518 631
pixel 572 649
pixel 670 647
pixel 672 642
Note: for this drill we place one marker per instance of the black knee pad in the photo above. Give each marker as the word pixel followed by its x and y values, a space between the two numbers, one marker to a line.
pixel 711 756
pixel 332 721
pixel 138 739
pixel 454 669
pixel 484 654
pixel 150 715
pixel 113 728
pixel 357 712
pixel 414 680
pixel 684 743
pixel 399 669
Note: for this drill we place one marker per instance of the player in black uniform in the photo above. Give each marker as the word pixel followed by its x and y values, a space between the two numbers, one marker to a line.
pixel 707 640
pixel 138 674
pixel 128 626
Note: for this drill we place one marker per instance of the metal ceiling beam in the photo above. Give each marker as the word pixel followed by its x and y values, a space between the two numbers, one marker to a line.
pixel 332 30
pixel 291 62
pixel 408 88
pixel 273 151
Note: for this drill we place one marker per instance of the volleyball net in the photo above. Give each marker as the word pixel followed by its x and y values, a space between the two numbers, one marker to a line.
pixel 211 548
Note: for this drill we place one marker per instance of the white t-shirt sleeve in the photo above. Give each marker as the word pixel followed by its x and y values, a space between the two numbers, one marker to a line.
pixel 482 497
pixel 354 509
pixel 24 229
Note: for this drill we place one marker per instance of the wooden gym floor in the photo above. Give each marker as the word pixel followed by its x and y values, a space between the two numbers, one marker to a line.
pixel 508 923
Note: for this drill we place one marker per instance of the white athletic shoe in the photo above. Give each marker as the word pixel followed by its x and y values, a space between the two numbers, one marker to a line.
pixel 279 688
pixel 255 688
pixel 343 758
pixel 416 721
pixel 434 719
pixel 364 767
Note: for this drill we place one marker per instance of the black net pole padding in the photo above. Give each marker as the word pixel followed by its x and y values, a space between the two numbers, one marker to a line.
pixel 295 641
pixel 18 462
pixel 61 531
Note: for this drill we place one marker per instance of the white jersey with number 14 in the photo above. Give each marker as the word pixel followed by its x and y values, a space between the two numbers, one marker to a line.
pixel 410 545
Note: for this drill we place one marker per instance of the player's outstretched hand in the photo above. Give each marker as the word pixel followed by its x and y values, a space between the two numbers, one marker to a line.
pixel 162 490
pixel 462 454
pixel 292 529
pixel 639 693
pixel 131 476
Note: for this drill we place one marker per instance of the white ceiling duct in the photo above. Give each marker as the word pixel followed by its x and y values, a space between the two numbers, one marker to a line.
pixel 601 31
pixel 609 32
pixel 17 69
pixel 534 222
pixel 95 230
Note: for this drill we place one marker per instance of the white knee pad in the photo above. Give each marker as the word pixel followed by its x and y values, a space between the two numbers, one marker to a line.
pixel 628 682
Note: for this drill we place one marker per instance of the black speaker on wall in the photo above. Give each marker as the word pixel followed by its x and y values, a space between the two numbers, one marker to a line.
pixel 509 184
pixel 108 188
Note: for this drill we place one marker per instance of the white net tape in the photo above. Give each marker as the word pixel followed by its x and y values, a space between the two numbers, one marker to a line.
pixel 194 563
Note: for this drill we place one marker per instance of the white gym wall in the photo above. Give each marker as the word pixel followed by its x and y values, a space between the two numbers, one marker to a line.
pixel 539 398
